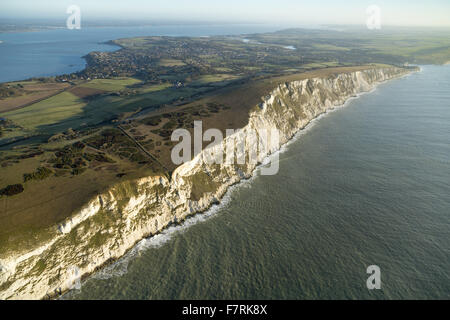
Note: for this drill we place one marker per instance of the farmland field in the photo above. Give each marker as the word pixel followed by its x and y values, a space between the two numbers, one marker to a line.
pixel 111 84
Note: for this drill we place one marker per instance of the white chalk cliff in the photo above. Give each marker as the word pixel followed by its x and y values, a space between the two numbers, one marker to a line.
pixel 112 223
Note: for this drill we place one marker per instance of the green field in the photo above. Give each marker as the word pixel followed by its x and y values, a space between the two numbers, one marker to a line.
pixel 123 118
pixel 211 78
pixel 111 84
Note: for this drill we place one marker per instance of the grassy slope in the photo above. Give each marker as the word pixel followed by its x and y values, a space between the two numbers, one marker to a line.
pixel 111 84
pixel 28 215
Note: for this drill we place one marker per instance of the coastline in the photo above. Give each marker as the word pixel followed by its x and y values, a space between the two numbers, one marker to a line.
pixel 177 211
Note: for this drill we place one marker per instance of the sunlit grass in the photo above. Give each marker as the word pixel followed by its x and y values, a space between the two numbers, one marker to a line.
pixel 115 84
pixel 49 111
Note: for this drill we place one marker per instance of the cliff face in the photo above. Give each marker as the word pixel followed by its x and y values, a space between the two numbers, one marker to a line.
pixel 116 220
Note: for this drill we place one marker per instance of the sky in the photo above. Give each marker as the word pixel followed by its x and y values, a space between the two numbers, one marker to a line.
pixel 434 13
